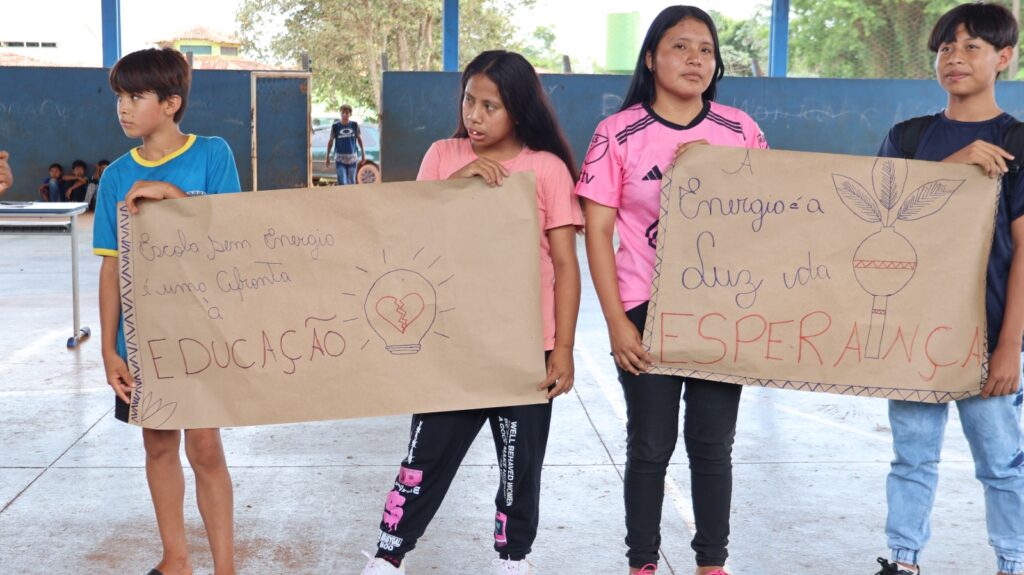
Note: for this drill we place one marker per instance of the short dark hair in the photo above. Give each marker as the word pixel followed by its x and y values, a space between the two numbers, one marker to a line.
pixel 56 165
pixel 992 23
pixel 641 87
pixel 346 107
pixel 78 163
pixel 103 163
pixel 526 101
pixel 163 71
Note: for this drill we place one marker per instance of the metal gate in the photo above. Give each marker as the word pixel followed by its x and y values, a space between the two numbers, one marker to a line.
pixel 282 159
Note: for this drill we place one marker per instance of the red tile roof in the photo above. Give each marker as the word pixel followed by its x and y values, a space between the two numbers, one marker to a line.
pixel 203 33
pixel 9 59
pixel 233 63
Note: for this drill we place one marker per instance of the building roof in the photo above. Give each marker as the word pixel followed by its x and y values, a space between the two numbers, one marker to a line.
pixel 200 62
pixel 10 59
pixel 212 62
pixel 205 34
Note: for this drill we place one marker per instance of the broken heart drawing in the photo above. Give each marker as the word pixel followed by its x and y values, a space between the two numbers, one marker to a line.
pixel 401 308
pixel 401 313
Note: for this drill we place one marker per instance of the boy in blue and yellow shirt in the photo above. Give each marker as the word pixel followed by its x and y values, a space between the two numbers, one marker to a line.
pixel 152 89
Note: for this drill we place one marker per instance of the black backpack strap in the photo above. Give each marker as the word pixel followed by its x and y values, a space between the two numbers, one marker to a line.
pixel 1013 142
pixel 909 134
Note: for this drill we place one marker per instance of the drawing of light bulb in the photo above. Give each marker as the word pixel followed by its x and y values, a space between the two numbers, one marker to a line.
pixel 885 262
pixel 401 307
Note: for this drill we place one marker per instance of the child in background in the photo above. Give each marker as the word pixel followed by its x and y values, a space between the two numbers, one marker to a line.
pixel 346 140
pixel 94 183
pixel 6 175
pixel 53 188
pixel 76 183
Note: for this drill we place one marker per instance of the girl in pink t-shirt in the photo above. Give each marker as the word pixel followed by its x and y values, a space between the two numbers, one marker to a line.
pixel 669 108
pixel 506 124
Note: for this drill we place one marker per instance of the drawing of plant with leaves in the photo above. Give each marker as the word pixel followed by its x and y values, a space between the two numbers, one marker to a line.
pixel 885 262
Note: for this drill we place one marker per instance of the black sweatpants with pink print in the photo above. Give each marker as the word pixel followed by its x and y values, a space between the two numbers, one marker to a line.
pixel 437 444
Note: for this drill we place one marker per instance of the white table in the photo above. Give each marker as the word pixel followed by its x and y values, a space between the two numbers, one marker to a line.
pixel 49 218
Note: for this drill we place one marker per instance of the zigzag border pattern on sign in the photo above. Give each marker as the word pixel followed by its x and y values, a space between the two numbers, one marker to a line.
pixel 991 238
pixel 128 308
pixel 855 390
pixel 666 194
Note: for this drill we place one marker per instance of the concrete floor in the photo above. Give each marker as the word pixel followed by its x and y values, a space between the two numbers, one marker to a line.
pixel 809 492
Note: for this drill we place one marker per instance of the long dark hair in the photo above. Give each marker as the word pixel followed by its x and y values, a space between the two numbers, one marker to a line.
pixel 532 116
pixel 641 87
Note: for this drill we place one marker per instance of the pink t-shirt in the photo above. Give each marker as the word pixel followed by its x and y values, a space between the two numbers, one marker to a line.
pixel 628 154
pixel 556 203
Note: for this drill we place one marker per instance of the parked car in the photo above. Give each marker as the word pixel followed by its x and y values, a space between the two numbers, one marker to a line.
pixel 322 173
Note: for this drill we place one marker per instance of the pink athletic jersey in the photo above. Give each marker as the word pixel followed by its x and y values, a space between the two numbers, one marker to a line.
pixel 556 203
pixel 623 169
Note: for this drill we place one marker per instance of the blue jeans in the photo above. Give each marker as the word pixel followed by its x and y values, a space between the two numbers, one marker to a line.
pixel 993 430
pixel 56 191
pixel 346 173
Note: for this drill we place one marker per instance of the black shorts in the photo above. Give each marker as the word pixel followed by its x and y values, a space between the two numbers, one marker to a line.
pixel 120 409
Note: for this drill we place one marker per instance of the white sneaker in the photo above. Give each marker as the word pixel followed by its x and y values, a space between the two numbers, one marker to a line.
pixel 510 567
pixel 378 566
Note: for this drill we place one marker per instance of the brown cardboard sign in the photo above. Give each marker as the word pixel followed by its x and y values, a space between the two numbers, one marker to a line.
pixel 841 274
pixel 299 305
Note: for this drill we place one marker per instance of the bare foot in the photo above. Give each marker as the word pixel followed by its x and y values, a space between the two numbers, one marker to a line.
pixel 175 566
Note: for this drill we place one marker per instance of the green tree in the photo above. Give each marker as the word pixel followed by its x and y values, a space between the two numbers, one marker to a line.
pixel 864 38
pixel 346 40
pixel 540 50
pixel 744 43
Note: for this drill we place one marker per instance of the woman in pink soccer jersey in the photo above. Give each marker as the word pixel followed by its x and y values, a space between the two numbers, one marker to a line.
pixel 669 108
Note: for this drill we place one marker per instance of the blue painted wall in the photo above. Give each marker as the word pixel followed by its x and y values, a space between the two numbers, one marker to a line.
pixel 818 115
pixel 61 114
pixel 282 133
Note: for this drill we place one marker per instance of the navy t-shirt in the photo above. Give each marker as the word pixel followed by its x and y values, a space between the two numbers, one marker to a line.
pixel 344 138
pixel 941 139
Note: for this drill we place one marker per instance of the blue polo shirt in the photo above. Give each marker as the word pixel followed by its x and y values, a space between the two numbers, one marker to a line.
pixel 941 139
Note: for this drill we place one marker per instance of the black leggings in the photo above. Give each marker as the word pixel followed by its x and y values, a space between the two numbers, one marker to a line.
pixel 652 427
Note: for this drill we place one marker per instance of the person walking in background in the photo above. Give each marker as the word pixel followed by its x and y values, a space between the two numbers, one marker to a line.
pixel 348 147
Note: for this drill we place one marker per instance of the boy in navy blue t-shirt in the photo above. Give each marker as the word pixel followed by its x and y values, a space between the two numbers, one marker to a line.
pixel 346 141
pixel 973 44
